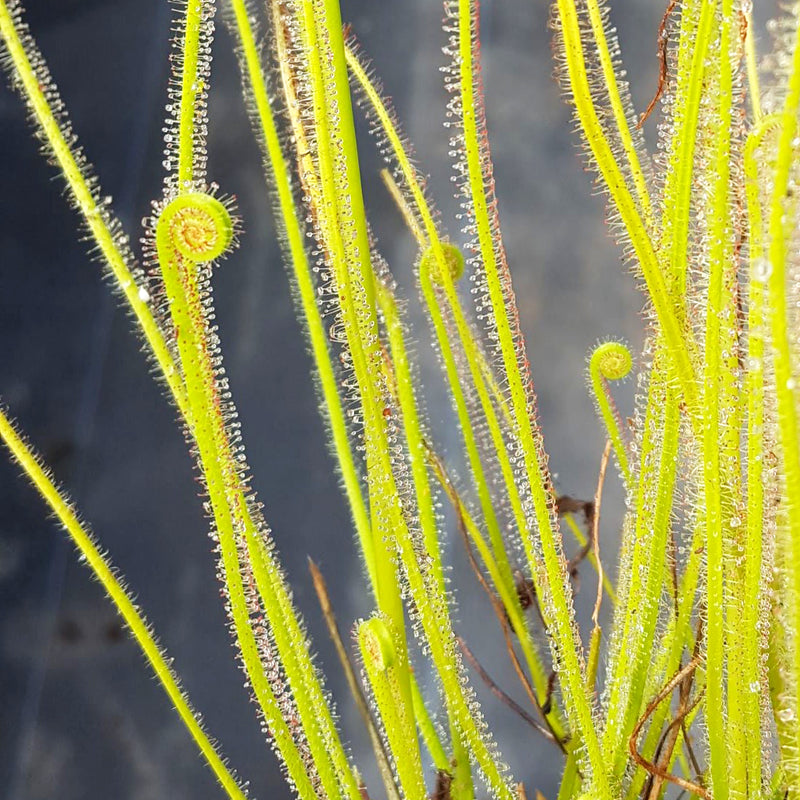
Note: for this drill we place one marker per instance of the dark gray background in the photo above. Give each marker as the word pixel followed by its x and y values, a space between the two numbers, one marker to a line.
pixel 80 715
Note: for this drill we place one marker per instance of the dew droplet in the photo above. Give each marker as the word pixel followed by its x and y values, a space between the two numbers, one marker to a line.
pixel 762 269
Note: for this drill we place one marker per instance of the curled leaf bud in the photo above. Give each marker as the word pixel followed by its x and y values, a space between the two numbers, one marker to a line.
pixel 377 645
pixel 613 360
pixel 429 264
pixel 198 226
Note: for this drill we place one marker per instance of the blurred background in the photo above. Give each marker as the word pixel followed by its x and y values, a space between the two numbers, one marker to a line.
pixel 80 715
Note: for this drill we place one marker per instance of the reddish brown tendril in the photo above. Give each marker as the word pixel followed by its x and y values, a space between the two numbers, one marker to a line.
pixel 658 772
pixel 663 71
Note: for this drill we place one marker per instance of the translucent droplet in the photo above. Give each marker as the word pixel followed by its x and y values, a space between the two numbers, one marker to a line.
pixel 754 364
pixel 762 269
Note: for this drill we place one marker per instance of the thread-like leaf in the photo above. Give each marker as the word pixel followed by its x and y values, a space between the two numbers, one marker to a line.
pixel 106 574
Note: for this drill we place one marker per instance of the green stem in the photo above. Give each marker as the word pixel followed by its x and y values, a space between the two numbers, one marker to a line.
pixel 755 391
pixel 191 88
pixel 582 540
pixel 341 217
pixel 139 628
pixel 443 260
pixel 669 310
pixel 385 675
pixel 611 361
pixel 36 87
pixel 550 576
pixel 611 86
pixel 695 40
pixel 427 729
pixel 342 213
pixel 209 435
pixel 676 639
pixel 636 618
pixel 725 771
pixel 781 227
pixel 415 441
pixel 295 240
pixel 417 449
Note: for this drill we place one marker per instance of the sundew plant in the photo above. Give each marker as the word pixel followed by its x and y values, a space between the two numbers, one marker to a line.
pixel 692 688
